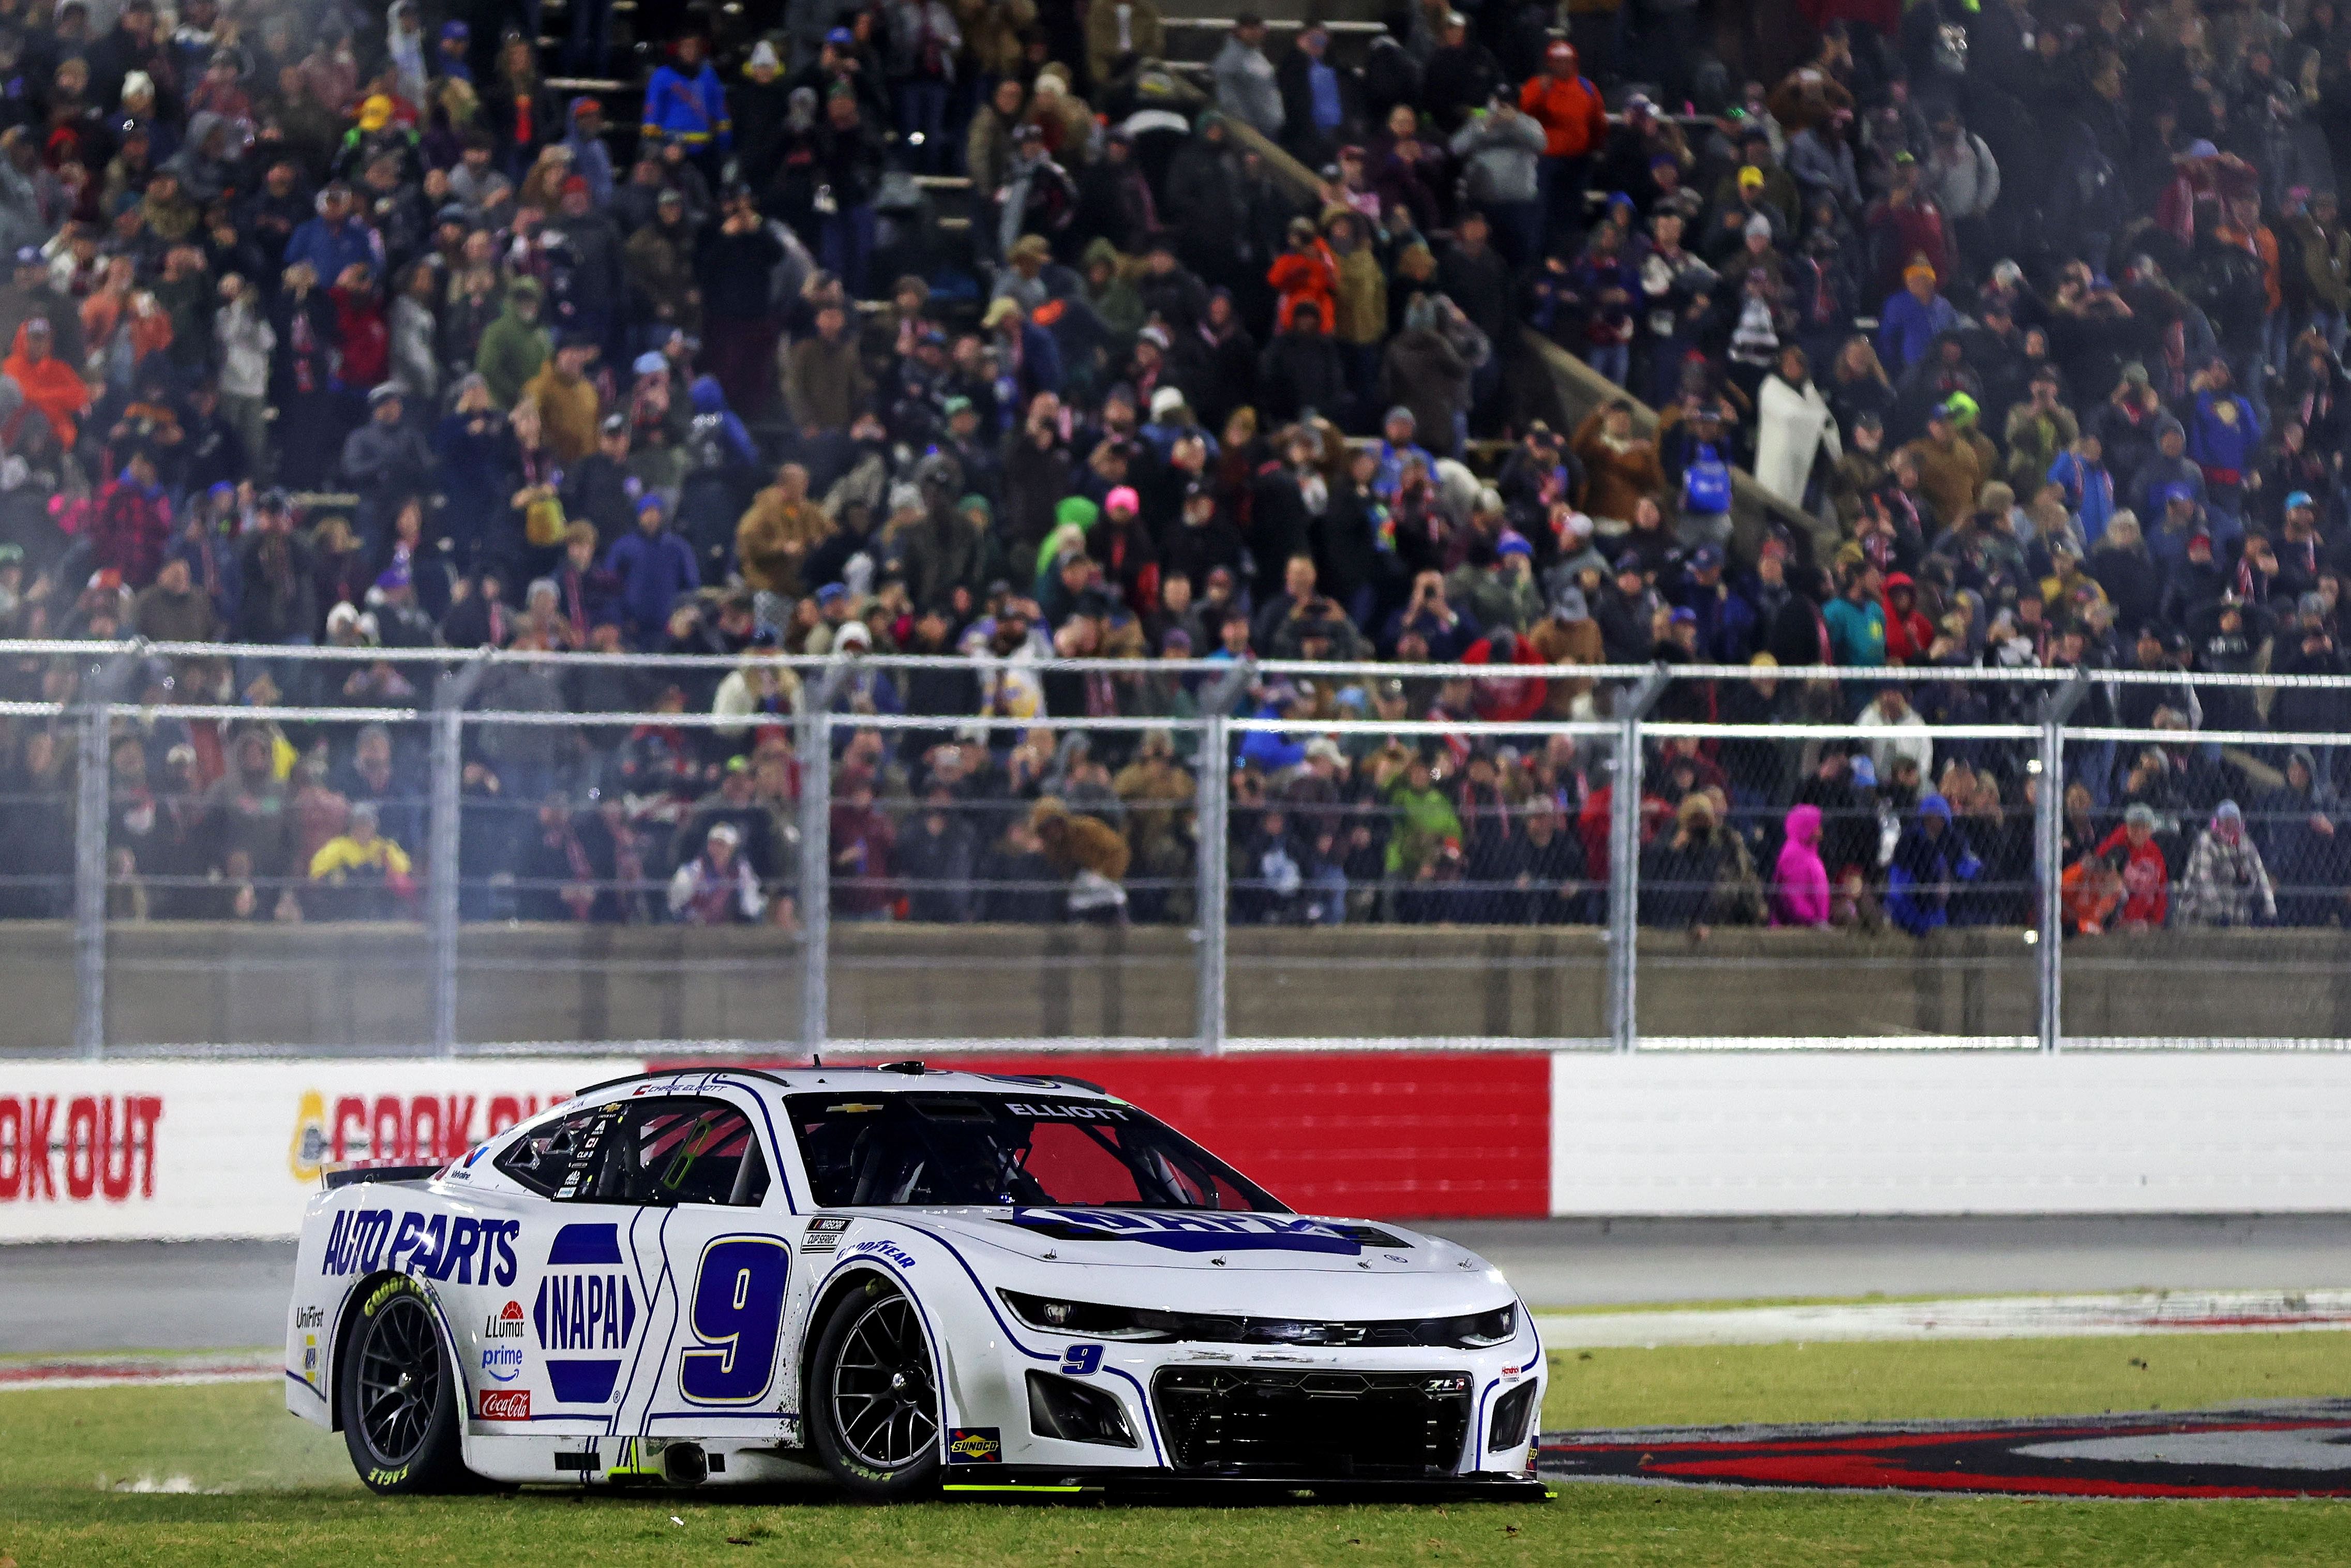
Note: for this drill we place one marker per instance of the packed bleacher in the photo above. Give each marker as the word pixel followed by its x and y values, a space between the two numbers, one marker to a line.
pixel 1950 338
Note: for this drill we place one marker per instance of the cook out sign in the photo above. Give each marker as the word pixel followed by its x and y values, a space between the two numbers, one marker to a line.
pixel 179 1150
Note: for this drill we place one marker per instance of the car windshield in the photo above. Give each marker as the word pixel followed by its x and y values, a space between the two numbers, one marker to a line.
pixel 993 1150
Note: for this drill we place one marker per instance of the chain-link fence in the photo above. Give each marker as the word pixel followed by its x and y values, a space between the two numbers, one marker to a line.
pixel 467 851
pixel 1418 880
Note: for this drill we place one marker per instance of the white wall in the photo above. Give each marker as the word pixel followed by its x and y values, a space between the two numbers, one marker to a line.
pixel 1950 1133
pixel 174 1150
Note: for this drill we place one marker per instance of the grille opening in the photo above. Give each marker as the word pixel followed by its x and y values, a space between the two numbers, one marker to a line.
pixel 1075 1411
pixel 1507 1429
pixel 1235 1421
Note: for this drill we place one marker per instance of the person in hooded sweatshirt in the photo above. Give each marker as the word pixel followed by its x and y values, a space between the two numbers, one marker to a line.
pixel 721 479
pixel 1930 858
pixel 591 159
pixel 1800 881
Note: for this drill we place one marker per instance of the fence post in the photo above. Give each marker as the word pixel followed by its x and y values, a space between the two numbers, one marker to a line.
pixel 1211 834
pixel 816 869
pixel 2049 855
pixel 89 886
pixel 450 695
pixel 93 799
pixel 1624 859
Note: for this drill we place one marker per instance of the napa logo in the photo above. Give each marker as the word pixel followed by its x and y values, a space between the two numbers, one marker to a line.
pixel 586 1303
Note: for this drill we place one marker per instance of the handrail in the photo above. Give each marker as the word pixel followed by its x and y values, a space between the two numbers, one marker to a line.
pixel 1270 669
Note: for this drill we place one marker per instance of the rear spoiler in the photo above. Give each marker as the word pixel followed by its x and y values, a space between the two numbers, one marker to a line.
pixel 358 1174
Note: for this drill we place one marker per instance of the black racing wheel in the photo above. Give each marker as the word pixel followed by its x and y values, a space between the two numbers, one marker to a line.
pixel 874 1397
pixel 401 1396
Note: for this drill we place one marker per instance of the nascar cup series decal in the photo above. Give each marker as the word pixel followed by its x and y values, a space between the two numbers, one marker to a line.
pixel 584 1303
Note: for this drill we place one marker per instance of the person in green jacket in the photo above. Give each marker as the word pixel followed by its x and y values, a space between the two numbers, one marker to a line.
pixel 514 346
pixel 1425 819
pixel 1111 290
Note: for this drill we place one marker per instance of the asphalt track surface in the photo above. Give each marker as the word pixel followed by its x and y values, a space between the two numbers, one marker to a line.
pixel 208 1295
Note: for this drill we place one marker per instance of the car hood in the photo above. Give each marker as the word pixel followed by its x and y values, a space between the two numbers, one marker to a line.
pixel 1324 1265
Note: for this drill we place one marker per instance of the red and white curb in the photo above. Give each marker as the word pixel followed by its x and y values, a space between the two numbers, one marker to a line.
pixel 140 1371
pixel 1996 1317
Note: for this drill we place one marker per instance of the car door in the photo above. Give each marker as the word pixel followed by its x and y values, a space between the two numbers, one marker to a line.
pixel 703 1175
pixel 562 1351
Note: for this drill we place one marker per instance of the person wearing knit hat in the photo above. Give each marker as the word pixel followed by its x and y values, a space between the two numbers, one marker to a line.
pixel 2225 883
pixel 1911 320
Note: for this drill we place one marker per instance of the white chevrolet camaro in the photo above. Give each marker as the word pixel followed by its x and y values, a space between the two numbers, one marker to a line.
pixel 906 1281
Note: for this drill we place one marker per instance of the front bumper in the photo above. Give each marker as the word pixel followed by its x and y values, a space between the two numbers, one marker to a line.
pixel 1029 1483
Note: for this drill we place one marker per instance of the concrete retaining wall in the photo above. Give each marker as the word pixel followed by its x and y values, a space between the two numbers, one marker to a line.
pixel 367 986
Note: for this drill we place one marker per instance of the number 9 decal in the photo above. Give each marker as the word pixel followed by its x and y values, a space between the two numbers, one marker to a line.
pixel 736 1315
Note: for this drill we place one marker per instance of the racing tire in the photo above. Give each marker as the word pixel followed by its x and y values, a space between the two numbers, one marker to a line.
pixel 400 1395
pixel 873 1407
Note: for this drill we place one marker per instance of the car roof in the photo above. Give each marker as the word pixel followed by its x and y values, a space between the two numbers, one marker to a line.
pixel 895 1078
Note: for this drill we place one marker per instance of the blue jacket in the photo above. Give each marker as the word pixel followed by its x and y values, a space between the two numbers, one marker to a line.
pixel 331 248
pixel 591 159
pixel 2090 491
pixel 693 108
pixel 653 572
pixel 2215 444
pixel 1918 885
pixel 1270 750
pixel 1906 329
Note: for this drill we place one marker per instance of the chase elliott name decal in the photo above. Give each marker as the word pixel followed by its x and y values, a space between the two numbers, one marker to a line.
pixel 1189 1231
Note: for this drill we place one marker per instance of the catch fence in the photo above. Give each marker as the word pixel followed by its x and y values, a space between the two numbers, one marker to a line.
pixel 597 851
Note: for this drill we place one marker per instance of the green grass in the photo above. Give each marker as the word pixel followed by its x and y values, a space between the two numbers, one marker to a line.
pixel 263 1488
pixel 1895 1380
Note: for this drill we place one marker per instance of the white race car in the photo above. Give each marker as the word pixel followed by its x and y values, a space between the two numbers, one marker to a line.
pixel 906 1281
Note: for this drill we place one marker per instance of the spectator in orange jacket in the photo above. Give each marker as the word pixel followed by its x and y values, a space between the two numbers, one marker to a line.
pixel 2091 891
pixel 1307 273
pixel 1575 127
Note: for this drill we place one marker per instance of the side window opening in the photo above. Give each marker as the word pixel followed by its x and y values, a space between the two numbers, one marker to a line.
pixel 648 1152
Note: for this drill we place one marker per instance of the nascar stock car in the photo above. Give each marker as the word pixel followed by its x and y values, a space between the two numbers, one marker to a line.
pixel 906 1280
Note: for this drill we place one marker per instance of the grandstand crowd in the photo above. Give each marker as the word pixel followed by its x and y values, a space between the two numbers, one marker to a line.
pixel 971 327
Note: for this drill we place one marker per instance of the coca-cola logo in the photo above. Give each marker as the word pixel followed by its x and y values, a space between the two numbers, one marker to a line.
pixel 87 1148
pixel 505 1403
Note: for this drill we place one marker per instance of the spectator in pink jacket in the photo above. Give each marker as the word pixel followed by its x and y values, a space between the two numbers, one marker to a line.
pixel 1800 887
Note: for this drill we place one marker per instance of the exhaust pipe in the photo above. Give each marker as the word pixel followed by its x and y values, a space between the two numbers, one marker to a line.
pixel 684 1465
